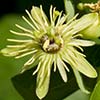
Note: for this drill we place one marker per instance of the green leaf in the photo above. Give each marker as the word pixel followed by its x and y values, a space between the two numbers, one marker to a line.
pixel 94 54
pixel 96 93
pixel 26 85
pixel 8 66
pixel 69 9
pixel 78 95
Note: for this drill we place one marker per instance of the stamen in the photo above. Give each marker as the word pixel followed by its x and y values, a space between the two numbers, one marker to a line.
pixel 24 29
pixel 58 21
pixel 19 41
pixel 19 51
pixel 16 46
pixel 39 65
pixel 22 34
pixel 30 23
pixel 51 15
pixel 63 19
pixel 72 19
pixel 55 63
pixel 65 66
pixel 29 62
pixel 25 54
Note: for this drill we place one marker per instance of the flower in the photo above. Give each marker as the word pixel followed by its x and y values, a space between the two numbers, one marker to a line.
pixel 53 42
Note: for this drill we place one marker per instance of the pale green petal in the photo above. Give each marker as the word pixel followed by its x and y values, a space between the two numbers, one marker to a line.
pixel 84 43
pixel 69 8
pixel 85 67
pixel 38 16
pixel 79 24
pixel 35 11
pixel 82 65
pixel 46 22
pixel 84 22
pixel 7 51
pixel 61 69
pixel 43 81
pixel 43 89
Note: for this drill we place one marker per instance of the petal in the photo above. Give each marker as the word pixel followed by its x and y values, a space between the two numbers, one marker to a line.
pixel 85 67
pixel 38 17
pixel 82 65
pixel 43 81
pixel 42 90
pixel 8 51
pixel 82 42
pixel 61 69
pixel 85 21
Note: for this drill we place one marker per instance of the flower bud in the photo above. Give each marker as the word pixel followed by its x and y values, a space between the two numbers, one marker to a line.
pixel 93 31
pixel 80 6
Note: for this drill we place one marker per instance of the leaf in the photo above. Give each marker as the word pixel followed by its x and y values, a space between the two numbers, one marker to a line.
pixel 69 9
pixel 8 66
pixel 78 95
pixel 96 93
pixel 26 85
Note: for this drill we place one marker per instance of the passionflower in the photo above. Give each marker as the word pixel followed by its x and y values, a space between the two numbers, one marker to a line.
pixel 51 44
pixel 93 31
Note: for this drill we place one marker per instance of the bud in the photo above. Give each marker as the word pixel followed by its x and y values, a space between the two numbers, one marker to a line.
pixel 80 6
pixel 92 31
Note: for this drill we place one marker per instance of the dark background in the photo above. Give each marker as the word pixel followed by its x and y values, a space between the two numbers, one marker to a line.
pixel 19 6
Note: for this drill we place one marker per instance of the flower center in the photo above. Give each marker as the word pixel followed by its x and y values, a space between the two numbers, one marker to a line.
pixel 51 44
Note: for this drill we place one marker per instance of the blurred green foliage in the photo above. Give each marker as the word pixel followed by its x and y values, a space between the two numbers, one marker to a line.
pixel 8 66
pixel 78 95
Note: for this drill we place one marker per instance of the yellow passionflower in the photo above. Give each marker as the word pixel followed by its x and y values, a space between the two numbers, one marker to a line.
pixel 51 43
